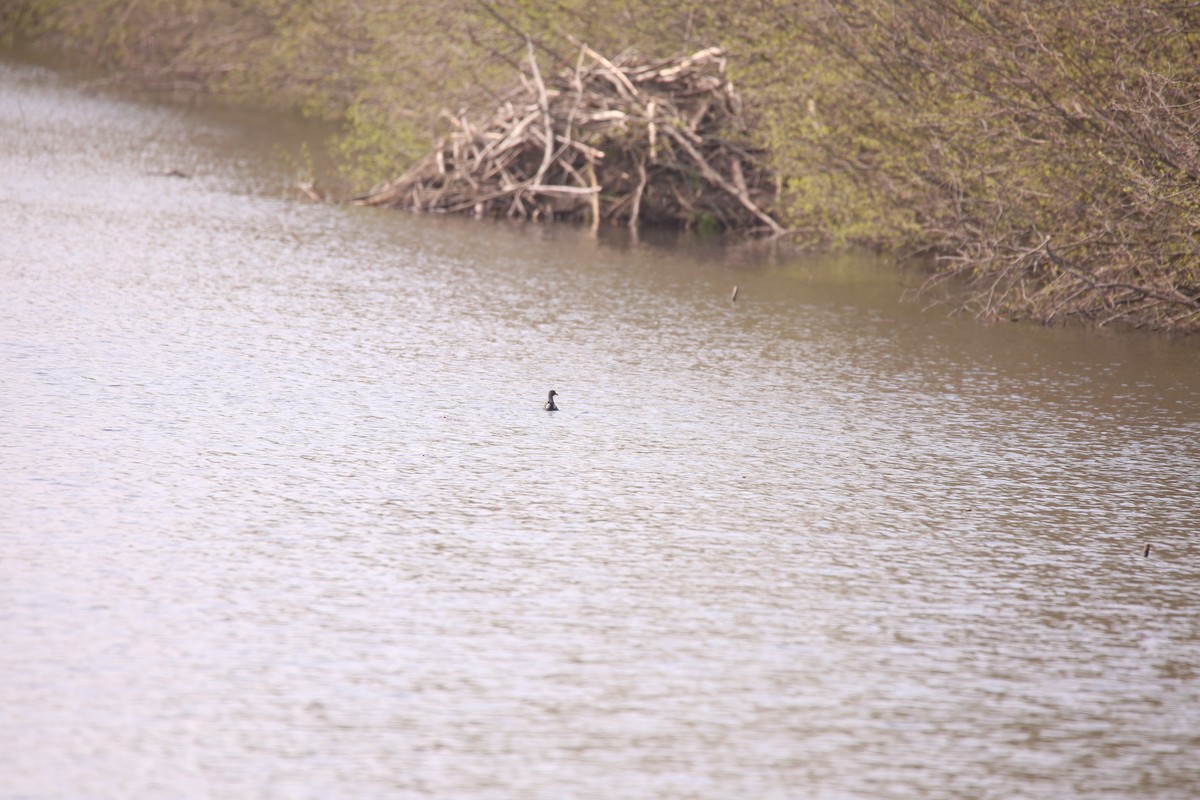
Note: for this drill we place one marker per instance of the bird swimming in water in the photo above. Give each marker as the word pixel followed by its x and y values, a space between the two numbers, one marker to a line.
pixel 550 402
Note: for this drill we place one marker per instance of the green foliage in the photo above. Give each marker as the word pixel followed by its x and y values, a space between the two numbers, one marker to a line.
pixel 1047 147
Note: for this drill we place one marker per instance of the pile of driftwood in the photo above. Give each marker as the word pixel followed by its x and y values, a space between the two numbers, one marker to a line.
pixel 627 140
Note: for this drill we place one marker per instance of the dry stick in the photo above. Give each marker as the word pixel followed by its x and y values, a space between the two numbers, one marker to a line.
pixel 1069 298
pixel 698 117
pixel 651 129
pixel 637 195
pixel 513 137
pixel 685 206
pixel 570 170
pixel 739 179
pixel 544 102
pixel 487 198
pixel 507 180
pixel 472 142
pixel 990 305
pixel 498 175
pixel 502 159
pixel 576 81
pixel 716 178
pixel 589 151
pixel 517 208
pixel 612 72
pixel 551 188
pixel 670 73
pixel 577 86
pixel 591 173
pixel 437 199
pixel 394 190
pixel 620 207
pixel 566 142
pixel 310 189
pixel 466 174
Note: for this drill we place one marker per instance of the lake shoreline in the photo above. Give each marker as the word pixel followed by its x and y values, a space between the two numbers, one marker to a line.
pixel 1039 190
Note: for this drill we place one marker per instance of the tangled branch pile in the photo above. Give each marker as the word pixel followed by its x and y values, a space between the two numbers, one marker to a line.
pixel 623 140
pixel 1047 151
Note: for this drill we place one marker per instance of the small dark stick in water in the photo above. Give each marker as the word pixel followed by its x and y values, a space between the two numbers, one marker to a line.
pixel 1146 552
pixel 733 297
pixel 549 406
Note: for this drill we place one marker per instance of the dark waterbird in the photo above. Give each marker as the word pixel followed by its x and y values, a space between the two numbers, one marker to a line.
pixel 550 401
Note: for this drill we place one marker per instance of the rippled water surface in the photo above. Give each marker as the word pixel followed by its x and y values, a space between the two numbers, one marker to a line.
pixel 282 516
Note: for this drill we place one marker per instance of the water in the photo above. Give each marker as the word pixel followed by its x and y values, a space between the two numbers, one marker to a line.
pixel 282 516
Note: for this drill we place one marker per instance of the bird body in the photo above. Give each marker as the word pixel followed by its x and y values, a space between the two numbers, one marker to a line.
pixel 549 406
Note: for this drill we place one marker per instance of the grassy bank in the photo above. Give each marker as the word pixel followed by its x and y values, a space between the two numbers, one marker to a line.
pixel 1047 153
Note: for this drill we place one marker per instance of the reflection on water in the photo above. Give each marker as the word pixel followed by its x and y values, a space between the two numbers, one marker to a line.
pixel 283 517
